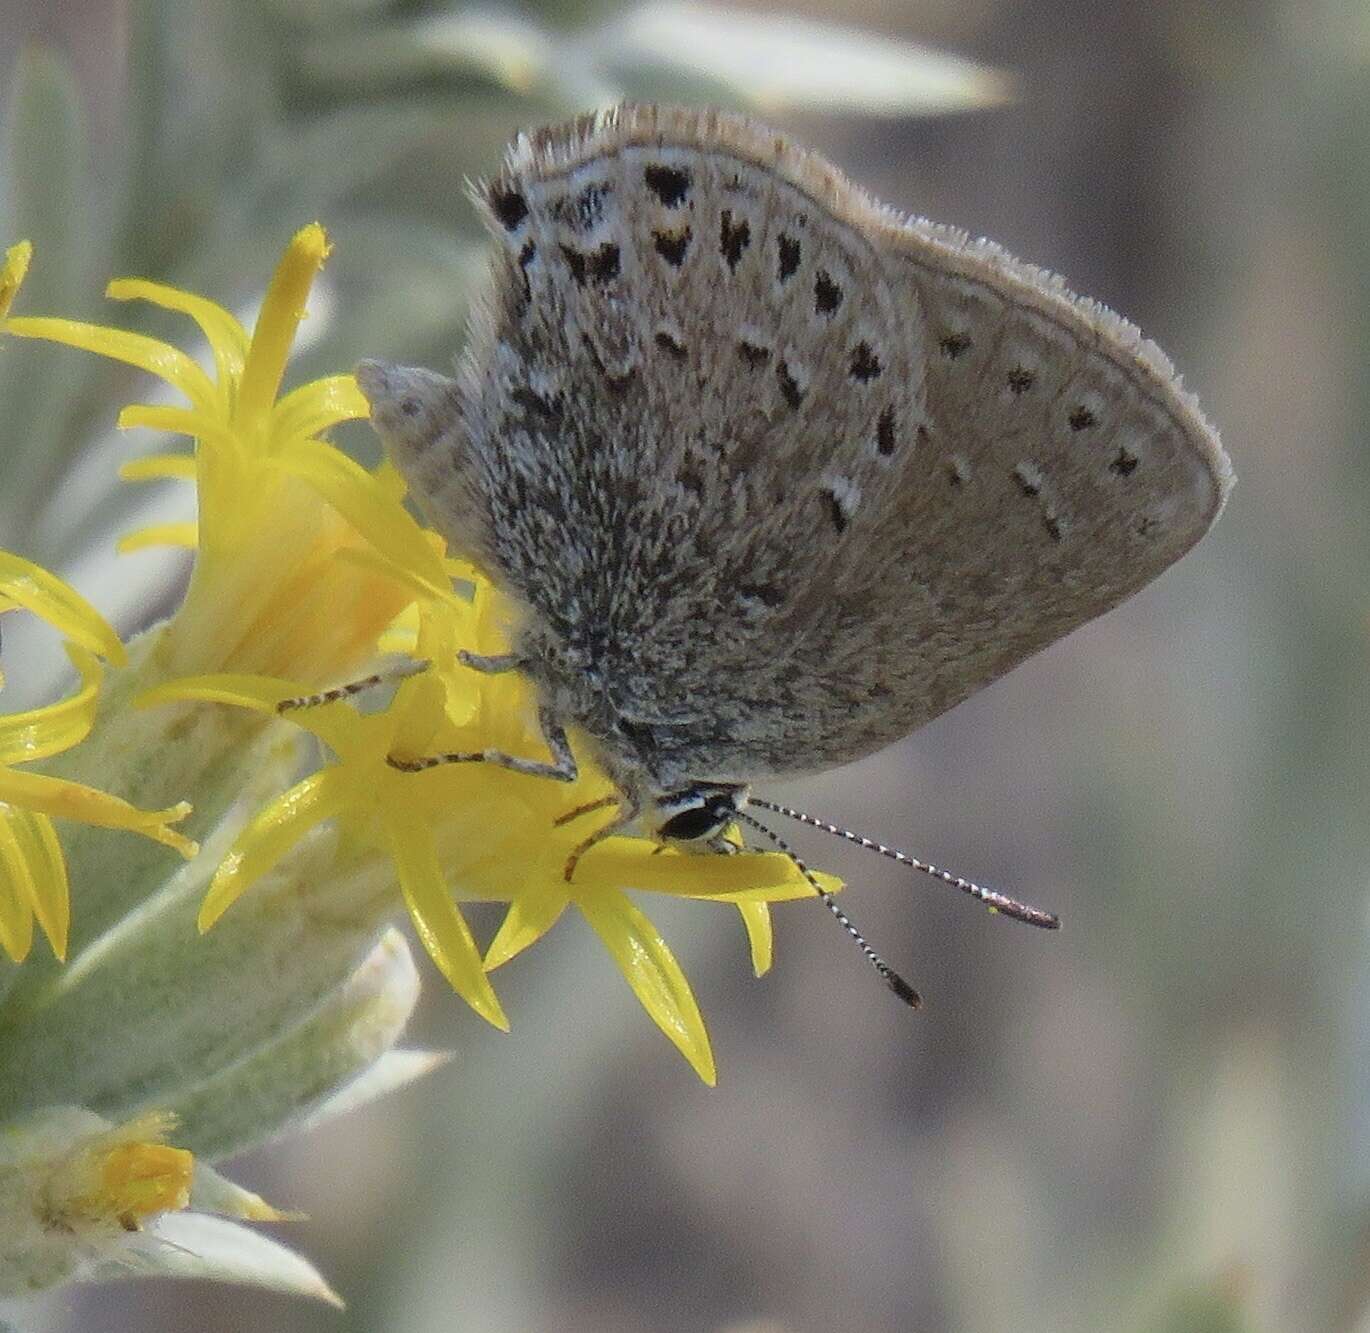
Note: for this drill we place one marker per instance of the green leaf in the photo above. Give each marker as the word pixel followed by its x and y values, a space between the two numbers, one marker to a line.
pixel 215 1248
pixel 255 1099
pixel 45 176
pixel 393 1071
pixel 203 98
pixel 494 47
pixel 779 62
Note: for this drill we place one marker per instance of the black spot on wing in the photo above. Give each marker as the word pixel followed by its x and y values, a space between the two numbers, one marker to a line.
pixel 788 258
pixel 671 185
pixel 884 433
pixel 1125 464
pixel 827 295
pixel 733 237
pixel 508 206
pixel 865 365
pixel 671 246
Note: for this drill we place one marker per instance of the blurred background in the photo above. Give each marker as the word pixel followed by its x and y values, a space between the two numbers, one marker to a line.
pixel 1158 1119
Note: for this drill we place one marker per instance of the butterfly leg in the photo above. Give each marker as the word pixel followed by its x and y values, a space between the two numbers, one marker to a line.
pixel 562 768
pixel 391 675
pixel 589 808
pixel 395 674
pixel 491 666
pixel 629 807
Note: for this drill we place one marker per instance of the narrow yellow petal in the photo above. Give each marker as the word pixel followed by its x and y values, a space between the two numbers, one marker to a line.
pixel 756 917
pixel 314 407
pixel 439 923
pixel 160 534
pixel 270 834
pixel 31 586
pixel 418 710
pixel 357 496
pixel 12 273
pixel 40 732
pixel 529 918
pixel 206 426
pixel 16 897
pixel 157 358
pixel 403 634
pixel 44 885
pixel 156 467
pixel 759 876
pixel 73 800
pixel 653 973
pixel 334 723
pixel 373 562
pixel 282 310
pixel 261 693
pixel 226 336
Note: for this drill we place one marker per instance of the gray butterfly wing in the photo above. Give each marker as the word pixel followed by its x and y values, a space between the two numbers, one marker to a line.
pixel 778 475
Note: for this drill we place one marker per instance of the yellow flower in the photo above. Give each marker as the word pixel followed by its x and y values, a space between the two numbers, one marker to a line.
pixel 118 1179
pixel 489 833
pixel 33 875
pixel 284 582
pixel 304 558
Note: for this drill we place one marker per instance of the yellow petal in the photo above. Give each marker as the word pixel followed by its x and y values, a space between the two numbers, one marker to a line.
pixel 155 467
pixel 226 336
pixel 756 876
pixel 40 732
pixel 12 273
pixel 160 534
pixel 260 693
pixel 336 723
pixel 653 973
pixel 31 586
pixel 269 835
pixel 757 919
pixel 439 923
pixel 418 710
pixel 530 916
pixel 389 478
pixel 196 422
pixel 157 358
pixel 282 310
pixel 38 872
pixel 357 496
pixel 315 407
pixel 16 898
pixel 73 800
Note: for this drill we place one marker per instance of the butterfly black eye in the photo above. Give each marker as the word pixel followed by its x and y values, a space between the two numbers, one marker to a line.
pixel 691 824
pixel 699 812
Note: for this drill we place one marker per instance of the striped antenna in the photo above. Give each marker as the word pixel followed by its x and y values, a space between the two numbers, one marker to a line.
pixel 891 978
pixel 995 901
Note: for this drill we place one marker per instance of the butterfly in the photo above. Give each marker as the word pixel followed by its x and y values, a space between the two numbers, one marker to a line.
pixel 775 474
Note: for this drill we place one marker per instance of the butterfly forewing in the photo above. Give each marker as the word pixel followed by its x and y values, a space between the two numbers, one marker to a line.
pixel 778 475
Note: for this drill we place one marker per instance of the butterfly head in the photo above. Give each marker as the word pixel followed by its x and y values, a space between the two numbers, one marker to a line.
pixel 698 813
